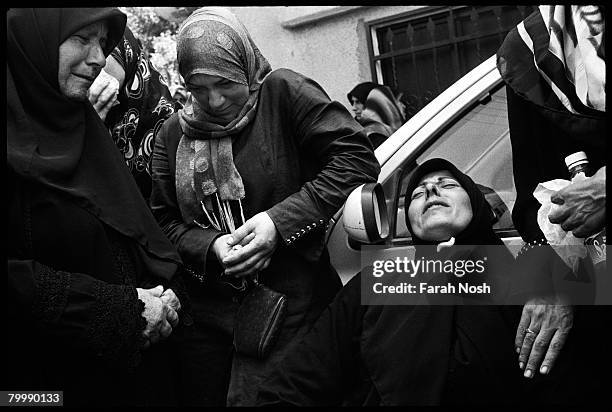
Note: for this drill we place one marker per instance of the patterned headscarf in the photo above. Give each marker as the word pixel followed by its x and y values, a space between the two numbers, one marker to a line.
pixel 213 41
pixel 144 104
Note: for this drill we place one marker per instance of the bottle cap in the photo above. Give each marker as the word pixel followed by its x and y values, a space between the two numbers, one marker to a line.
pixel 576 159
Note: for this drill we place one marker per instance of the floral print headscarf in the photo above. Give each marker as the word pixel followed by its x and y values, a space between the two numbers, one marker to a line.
pixel 145 103
pixel 209 188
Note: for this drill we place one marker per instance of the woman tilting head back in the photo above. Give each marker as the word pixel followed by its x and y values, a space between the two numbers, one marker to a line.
pixel 442 202
pixel 454 348
pixel 415 352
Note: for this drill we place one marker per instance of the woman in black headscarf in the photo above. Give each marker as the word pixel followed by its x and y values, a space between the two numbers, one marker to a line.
pixel 85 256
pixel 377 110
pixel 381 116
pixel 358 96
pixel 412 354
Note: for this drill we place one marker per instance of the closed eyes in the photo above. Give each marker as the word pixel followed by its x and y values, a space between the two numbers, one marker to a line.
pixel 84 40
pixel 444 183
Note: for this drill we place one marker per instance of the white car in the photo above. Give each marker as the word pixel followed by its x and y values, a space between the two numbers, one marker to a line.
pixel 468 125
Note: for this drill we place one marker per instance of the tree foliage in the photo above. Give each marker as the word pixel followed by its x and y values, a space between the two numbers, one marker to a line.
pixel 147 25
pixel 158 37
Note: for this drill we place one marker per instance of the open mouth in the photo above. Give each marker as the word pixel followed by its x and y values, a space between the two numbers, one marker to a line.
pixel 434 203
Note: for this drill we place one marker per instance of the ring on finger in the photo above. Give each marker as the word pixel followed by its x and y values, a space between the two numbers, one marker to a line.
pixel 531 331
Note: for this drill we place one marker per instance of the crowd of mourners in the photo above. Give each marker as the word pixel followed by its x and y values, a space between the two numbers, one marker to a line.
pixel 140 223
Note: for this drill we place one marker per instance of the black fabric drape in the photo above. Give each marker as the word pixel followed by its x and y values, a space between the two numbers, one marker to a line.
pixel 436 354
pixel 542 130
pixel 542 133
pixel 541 138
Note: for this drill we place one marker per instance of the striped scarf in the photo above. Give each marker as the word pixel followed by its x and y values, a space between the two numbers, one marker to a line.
pixel 556 58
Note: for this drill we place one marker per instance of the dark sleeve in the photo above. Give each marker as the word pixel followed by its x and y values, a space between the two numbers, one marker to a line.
pixel 526 167
pixel 324 366
pixel 100 319
pixel 192 242
pixel 541 138
pixel 540 272
pixel 325 131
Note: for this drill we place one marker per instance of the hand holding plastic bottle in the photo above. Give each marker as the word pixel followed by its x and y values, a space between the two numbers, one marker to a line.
pixel 582 205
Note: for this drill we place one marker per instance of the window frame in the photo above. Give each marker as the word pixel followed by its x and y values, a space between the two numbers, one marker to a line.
pixel 376 59
pixel 374 25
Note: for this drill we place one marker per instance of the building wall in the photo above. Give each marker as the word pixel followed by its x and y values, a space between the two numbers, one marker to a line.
pixel 333 51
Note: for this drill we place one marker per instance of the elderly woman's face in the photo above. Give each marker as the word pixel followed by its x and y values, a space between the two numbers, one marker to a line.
pixel 218 96
pixel 440 207
pixel 81 57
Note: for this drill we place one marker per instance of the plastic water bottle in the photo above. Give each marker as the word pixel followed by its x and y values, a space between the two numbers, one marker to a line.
pixel 578 166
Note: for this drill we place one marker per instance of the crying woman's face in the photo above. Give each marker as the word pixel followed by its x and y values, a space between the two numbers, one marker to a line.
pixel 439 207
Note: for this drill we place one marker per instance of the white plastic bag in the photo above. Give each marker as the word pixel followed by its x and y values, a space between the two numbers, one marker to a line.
pixel 569 248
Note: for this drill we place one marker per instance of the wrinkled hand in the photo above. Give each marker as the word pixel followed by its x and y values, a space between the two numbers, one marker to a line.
pixel 156 313
pixel 103 93
pixel 541 334
pixel 582 205
pixel 172 301
pixel 254 256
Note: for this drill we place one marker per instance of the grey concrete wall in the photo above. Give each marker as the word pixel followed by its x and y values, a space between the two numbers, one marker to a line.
pixel 333 51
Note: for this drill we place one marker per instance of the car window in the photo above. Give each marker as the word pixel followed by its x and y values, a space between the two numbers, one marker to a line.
pixel 478 143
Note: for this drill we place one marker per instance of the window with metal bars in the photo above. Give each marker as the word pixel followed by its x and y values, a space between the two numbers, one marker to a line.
pixel 421 54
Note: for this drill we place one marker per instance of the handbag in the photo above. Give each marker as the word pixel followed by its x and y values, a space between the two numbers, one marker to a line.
pixel 259 321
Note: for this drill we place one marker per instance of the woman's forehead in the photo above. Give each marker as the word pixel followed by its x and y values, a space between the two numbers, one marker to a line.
pixel 436 176
pixel 203 79
pixel 100 26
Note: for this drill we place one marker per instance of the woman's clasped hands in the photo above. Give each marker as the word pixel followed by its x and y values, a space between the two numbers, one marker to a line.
pixel 249 249
pixel 161 313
